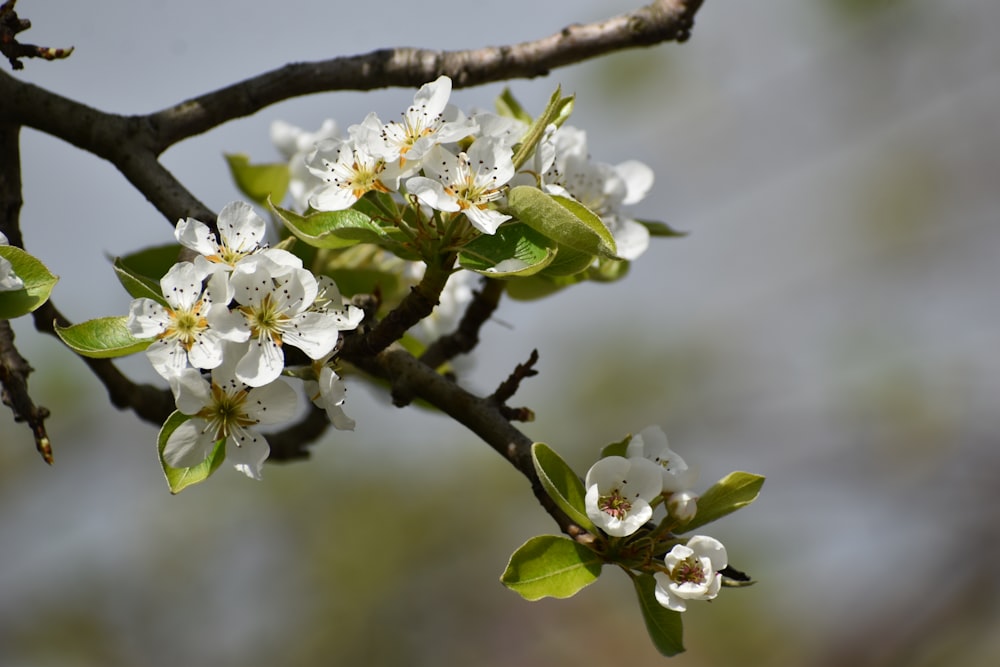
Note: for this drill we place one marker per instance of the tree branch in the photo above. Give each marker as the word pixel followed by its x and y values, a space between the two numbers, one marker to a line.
pixel 484 417
pixel 465 338
pixel 661 21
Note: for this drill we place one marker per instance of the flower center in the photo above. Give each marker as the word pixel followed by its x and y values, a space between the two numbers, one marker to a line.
pixel 266 319
pixel 615 504
pixel 226 412
pixel 689 571
pixel 186 325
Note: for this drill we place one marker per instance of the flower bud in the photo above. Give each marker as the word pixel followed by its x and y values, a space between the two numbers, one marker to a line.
pixel 682 506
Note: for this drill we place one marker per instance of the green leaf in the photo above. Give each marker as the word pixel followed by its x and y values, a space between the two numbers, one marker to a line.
pixel 665 627
pixel 152 263
pixel 556 111
pixel 507 105
pixel 563 220
pixel 539 286
pixel 619 448
pixel 660 228
pixel 562 484
pixel 515 250
pixel 735 490
pixel 339 229
pixel 137 285
pixel 568 262
pixel 179 479
pixel 102 338
pixel 38 283
pixel 259 181
pixel 551 566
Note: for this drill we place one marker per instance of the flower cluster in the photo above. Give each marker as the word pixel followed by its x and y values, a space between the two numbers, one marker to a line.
pixel 453 162
pixel 9 281
pixel 622 493
pixel 231 311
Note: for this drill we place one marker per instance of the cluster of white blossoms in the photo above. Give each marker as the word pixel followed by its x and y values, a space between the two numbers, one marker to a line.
pixel 231 311
pixel 9 281
pixel 454 162
pixel 621 495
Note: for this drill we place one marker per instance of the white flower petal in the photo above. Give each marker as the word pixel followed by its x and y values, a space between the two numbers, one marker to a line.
pixel 240 227
pixel 247 451
pixel 146 318
pixel 262 363
pixel 189 444
pixel 197 236
pixel 431 193
pixel 273 403
pixel 315 334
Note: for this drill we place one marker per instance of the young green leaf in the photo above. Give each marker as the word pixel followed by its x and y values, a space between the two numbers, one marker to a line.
pixel 38 283
pixel 137 285
pixel 569 262
pixel 556 112
pixel 507 105
pixel 735 490
pixel 562 484
pixel 660 228
pixel 102 338
pixel 152 263
pixel 259 181
pixel 665 627
pixel 563 220
pixel 619 448
pixel 180 478
pixel 515 250
pixel 551 566
pixel 340 229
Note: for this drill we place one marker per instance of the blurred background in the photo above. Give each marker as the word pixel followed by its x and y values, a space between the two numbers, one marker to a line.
pixel 830 322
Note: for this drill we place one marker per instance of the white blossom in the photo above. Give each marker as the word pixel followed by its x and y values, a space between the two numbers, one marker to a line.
pixel 466 182
pixel 329 392
pixel 275 308
pixel 349 169
pixel 692 573
pixel 226 409
pixel 182 328
pixel 295 144
pixel 601 187
pixel 619 492
pixel 651 443
pixel 430 120
pixel 240 229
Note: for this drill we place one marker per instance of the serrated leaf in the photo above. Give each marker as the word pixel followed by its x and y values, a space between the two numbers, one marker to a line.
pixel 137 285
pixel 562 484
pixel 665 627
pixel 38 283
pixel 179 479
pixel 259 181
pixel 515 250
pixel 563 220
pixel 735 490
pixel 551 566
pixel 102 338
pixel 660 228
